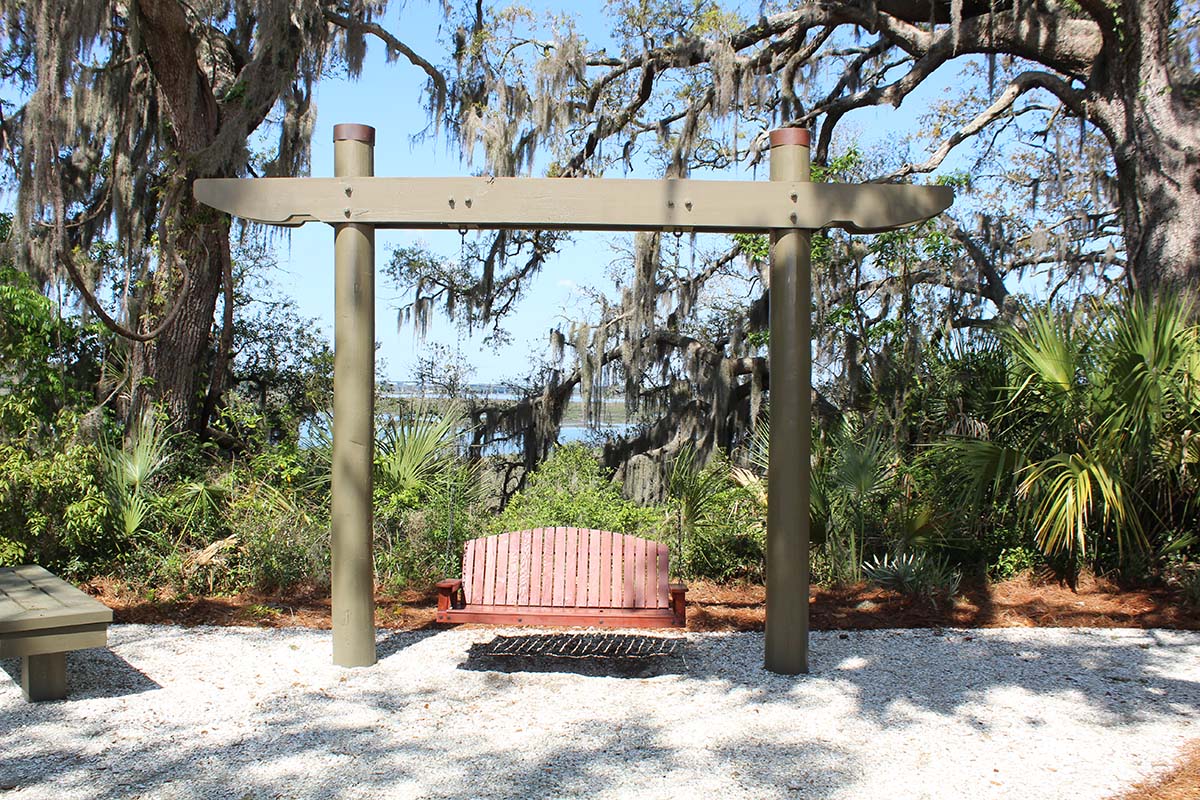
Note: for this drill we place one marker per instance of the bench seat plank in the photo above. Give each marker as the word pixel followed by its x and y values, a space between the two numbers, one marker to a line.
pixel 42 617
pixel 662 592
pixel 55 640
pixel 32 599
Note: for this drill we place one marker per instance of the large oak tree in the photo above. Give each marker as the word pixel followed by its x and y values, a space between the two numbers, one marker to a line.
pixel 125 104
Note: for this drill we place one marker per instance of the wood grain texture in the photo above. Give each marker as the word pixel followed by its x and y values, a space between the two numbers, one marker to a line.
pixel 489 570
pixel 576 204
pixel 477 570
pixel 499 592
pixel 660 593
pixel 605 571
pixel 468 568
pixel 554 615
pixel 570 577
pixel 639 573
pixel 593 571
pixel 512 581
pixel 548 566
pixel 535 567
pixel 33 599
pixel 560 565
pixel 565 576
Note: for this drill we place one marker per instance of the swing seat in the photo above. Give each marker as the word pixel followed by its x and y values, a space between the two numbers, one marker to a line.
pixel 564 576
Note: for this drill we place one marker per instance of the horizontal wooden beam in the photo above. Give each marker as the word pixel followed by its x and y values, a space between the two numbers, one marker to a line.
pixel 575 203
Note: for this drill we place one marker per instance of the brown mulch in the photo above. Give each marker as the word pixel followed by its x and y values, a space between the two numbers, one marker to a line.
pixel 1021 602
pixel 1181 783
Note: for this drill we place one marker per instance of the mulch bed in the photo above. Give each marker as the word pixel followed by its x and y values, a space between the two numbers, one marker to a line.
pixel 1019 602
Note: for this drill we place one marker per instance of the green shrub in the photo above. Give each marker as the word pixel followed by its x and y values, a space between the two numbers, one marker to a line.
pixel 916 574
pixel 732 544
pixel 52 509
pixel 279 543
pixel 48 362
pixel 1013 561
pixel 1190 588
pixel 419 534
pixel 571 489
pixel 1091 444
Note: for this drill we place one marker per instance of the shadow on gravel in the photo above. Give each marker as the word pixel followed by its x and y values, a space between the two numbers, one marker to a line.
pixel 954 668
pixel 319 751
pixel 99 673
pixel 608 655
pixel 393 642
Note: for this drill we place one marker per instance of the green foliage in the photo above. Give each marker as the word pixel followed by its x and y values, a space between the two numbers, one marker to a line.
pixel 47 363
pixel 571 489
pixel 128 471
pixel 914 574
pixel 414 446
pixel 718 534
pixel 1013 561
pixel 1190 588
pixel 427 498
pixel 280 543
pixel 839 169
pixel 853 486
pixel 694 490
pixel 423 542
pixel 754 246
pixel 1092 444
pixel 733 546
pixel 958 180
pixel 283 370
pixel 53 507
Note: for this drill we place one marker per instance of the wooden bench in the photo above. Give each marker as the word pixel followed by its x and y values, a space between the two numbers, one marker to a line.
pixel 41 618
pixel 564 576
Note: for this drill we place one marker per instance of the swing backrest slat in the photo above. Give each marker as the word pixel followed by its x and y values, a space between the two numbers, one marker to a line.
pixel 567 568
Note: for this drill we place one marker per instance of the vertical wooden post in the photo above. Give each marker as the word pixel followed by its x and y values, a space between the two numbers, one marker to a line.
pixel 791 433
pixel 353 413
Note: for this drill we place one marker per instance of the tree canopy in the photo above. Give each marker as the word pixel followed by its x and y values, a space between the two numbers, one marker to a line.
pixel 1078 121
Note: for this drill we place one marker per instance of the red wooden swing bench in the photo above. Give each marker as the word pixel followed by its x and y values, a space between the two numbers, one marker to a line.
pixel 564 576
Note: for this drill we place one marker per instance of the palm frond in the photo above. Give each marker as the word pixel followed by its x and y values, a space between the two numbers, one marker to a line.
pixel 414 447
pixel 1045 355
pixel 1068 491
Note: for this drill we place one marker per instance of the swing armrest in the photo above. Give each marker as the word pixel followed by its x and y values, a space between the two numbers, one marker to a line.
pixel 679 603
pixel 448 594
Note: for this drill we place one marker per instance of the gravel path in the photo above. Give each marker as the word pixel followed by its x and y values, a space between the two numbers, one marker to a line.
pixel 171 712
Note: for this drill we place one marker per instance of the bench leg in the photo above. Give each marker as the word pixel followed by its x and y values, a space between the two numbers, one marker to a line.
pixel 44 677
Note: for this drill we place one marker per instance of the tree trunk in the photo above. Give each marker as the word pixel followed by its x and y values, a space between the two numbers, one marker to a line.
pixel 1156 146
pixel 1159 176
pixel 179 360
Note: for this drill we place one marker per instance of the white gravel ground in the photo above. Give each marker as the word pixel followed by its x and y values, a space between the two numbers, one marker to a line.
pixel 170 712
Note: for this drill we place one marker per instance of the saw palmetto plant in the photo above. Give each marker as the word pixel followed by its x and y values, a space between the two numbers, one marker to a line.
pixel 1095 442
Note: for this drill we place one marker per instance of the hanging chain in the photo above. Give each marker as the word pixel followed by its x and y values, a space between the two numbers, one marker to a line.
pixel 462 262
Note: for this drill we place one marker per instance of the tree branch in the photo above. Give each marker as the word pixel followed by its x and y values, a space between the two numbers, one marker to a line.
pixel 1019 85
pixel 111 323
pixel 171 50
pixel 378 31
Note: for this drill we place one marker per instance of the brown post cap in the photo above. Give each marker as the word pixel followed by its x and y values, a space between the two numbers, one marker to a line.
pixel 354 132
pixel 782 136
